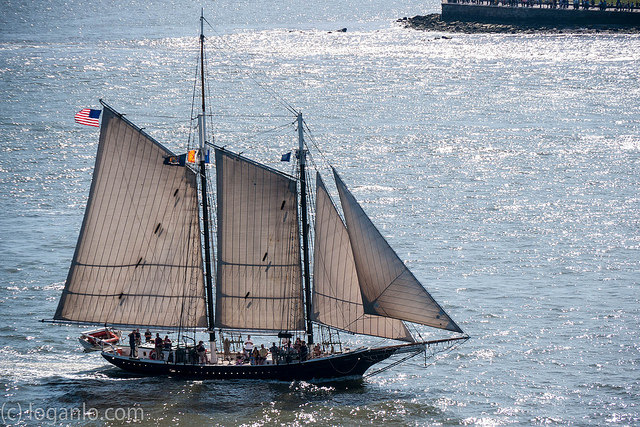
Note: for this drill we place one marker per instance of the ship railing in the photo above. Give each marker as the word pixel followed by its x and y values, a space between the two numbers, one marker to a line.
pixel 103 344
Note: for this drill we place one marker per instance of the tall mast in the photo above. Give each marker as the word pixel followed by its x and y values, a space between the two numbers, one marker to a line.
pixel 202 132
pixel 305 229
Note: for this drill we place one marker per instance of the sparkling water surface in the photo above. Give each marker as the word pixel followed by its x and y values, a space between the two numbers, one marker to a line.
pixel 502 168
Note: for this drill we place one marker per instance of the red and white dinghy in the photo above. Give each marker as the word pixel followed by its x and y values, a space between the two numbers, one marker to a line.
pixel 96 339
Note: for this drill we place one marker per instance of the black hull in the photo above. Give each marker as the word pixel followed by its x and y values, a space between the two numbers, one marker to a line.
pixel 352 364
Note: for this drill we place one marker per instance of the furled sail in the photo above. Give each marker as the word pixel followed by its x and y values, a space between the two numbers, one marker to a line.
pixel 336 299
pixel 138 260
pixel 259 276
pixel 388 287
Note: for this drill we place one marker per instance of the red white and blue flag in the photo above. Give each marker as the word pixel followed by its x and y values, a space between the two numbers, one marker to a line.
pixel 88 117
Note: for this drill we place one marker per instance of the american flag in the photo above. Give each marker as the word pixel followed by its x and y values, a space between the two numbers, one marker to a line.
pixel 88 117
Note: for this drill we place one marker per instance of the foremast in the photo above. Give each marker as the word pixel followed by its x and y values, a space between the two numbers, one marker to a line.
pixel 202 133
pixel 302 155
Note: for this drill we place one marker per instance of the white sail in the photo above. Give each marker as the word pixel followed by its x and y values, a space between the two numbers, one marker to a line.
pixel 388 287
pixel 337 300
pixel 138 260
pixel 259 276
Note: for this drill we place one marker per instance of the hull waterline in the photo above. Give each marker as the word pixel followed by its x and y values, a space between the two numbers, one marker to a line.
pixel 352 364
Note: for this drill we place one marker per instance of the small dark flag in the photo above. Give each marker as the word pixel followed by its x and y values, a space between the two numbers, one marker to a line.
pixel 286 157
pixel 180 160
pixel 88 117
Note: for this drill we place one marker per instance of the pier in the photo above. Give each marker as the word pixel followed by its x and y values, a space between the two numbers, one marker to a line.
pixel 532 13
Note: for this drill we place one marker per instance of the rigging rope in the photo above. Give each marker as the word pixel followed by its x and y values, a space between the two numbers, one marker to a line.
pixel 272 130
pixel 391 365
pixel 308 132
pixel 267 90
pixel 433 353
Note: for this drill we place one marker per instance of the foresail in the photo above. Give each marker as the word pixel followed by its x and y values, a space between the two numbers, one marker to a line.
pixel 336 299
pixel 259 283
pixel 138 260
pixel 388 287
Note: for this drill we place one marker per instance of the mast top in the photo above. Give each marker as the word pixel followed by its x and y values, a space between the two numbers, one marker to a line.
pixel 301 152
pixel 201 116
pixel 202 23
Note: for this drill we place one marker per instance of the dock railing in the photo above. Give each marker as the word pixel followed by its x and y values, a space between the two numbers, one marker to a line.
pixel 601 5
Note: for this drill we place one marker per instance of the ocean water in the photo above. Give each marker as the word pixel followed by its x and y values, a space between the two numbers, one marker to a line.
pixel 504 169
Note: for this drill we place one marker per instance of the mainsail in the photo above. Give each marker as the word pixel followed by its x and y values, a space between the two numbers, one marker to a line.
pixel 259 272
pixel 138 260
pixel 337 300
pixel 388 287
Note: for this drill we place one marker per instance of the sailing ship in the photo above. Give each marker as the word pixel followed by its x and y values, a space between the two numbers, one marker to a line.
pixel 145 258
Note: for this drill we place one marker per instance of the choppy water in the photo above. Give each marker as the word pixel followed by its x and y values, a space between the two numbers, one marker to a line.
pixel 504 170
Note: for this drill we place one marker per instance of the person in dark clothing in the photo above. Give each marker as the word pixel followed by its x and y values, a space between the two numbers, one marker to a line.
pixel 159 344
pixel 275 353
pixel 304 351
pixel 133 344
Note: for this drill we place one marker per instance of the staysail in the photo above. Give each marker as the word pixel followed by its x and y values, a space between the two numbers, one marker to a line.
pixel 138 260
pixel 337 300
pixel 388 287
pixel 259 276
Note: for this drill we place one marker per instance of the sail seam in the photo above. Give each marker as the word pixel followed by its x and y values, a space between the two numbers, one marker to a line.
pixel 241 297
pixel 266 266
pixel 135 265
pixel 130 295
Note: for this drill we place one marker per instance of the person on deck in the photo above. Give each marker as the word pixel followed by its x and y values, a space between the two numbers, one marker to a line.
pixel 248 346
pixel 166 343
pixel 226 348
pixel 288 352
pixel 263 352
pixel 202 353
pixel 132 344
pixel 275 353
pixel 304 351
pixel 239 360
pixel 159 344
pixel 147 335
pixel 296 349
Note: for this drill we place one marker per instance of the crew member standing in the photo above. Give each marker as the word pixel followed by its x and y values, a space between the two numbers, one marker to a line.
pixel 132 344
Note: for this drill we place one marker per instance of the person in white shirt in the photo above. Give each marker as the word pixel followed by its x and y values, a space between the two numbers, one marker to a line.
pixel 248 346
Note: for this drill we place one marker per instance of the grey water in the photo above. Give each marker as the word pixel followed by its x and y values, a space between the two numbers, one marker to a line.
pixel 504 170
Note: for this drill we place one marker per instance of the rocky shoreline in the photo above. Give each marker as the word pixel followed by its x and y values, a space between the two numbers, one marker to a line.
pixel 434 22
